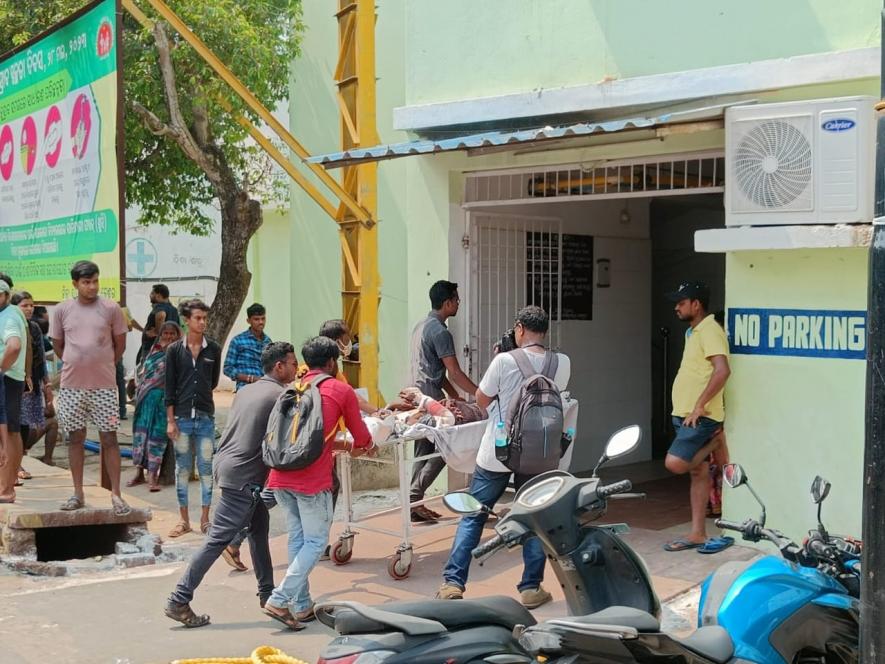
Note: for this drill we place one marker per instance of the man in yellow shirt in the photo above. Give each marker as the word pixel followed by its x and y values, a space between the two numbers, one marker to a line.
pixel 698 407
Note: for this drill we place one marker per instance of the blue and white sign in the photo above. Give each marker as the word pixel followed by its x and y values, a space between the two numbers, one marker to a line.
pixel 798 333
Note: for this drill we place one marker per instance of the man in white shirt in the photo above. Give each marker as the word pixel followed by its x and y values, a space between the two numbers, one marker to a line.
pixel 496 390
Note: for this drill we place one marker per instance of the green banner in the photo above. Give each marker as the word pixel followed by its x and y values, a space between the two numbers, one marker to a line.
pixel 77 235
pixel 60 176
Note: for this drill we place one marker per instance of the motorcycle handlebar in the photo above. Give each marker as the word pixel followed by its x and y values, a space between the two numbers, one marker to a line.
pixel 819 549
pixel 488 547
pixel 729 525
pixel 611 489
pixel 751 530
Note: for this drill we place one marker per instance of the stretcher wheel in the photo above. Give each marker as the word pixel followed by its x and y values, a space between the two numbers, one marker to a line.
pixel 341 552
pixel 396 568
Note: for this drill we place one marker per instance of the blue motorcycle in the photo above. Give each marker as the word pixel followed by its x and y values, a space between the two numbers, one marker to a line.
pixel 797 608
pixel 801 607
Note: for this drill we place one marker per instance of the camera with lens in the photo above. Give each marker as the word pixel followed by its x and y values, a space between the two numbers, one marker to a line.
pixel 506 343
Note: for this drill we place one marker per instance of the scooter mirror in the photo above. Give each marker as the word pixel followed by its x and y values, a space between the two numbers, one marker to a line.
pixel 820 489
pixel 733 475
pixel 623 441
pixel 462 502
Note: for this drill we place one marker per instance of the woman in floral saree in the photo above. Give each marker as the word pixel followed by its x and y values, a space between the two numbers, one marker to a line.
pixel 149 426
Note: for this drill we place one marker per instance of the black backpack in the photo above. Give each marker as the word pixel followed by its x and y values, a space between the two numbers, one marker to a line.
pixel 534 419
pixel 294 437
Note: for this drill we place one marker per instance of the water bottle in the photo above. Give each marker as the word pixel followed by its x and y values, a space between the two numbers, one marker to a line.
pixel 568 437
pixel 502 452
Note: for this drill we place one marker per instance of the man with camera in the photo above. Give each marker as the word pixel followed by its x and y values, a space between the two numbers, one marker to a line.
pixel 503 381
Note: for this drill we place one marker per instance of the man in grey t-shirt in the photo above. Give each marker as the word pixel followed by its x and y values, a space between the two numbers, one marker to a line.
pixel 434 370
pixel 240 473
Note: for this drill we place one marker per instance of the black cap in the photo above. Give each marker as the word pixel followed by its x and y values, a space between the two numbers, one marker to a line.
pixel 690 290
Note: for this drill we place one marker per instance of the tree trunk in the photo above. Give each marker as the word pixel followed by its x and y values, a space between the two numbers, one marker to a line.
pixel 241 217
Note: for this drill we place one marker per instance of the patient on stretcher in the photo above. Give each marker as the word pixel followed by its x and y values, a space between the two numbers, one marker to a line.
pixel 413 407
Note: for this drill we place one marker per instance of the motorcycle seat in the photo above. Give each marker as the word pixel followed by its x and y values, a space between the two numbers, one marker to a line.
pixel 454 614
pixel 712 642
pixel 622 616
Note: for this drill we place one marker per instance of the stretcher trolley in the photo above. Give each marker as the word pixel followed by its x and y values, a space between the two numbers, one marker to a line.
pixel 458 445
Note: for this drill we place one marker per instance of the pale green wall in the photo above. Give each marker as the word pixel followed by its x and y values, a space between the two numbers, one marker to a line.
pixel 269 262
pixel 463 48
pixel 789 418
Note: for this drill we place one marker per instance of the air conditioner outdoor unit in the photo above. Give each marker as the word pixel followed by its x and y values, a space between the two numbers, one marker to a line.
pixel 809 162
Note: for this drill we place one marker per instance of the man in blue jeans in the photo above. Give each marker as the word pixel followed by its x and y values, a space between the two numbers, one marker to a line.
pixel 497 388
pixel 306 494
pixel 193 367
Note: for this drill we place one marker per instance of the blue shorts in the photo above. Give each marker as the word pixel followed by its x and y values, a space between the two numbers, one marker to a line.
pixel 2 401
pixel 689 440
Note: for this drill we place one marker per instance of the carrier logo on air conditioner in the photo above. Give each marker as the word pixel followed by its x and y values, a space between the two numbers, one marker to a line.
pixel 838 124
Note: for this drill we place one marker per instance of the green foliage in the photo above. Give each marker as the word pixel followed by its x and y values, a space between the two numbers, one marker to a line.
pixel 256 39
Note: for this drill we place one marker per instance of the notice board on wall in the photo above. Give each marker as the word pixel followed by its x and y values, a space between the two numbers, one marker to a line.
pixel 559 274
pixel 577 277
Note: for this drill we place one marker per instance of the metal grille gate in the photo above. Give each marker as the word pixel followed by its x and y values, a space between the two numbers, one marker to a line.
pixel 513 261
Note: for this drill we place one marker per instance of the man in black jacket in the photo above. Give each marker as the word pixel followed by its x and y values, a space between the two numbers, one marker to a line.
pixel 240 474
pixel 193 366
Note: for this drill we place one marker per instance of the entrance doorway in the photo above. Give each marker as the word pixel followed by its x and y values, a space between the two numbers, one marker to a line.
pixel 600 263
pixel 673 223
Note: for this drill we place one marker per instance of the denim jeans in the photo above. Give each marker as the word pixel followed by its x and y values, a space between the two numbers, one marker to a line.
pixel 309 519
pixel 197 433
pixel 236 509
pixel 488 487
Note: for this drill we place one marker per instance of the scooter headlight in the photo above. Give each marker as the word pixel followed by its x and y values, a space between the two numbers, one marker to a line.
pixel 540 493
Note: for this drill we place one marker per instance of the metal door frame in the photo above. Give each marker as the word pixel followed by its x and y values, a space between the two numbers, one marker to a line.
pixel 474 287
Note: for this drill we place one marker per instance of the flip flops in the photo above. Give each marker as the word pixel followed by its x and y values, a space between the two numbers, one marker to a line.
pixel 119 506
pixel 284 616
pixel 716 544
pixel 681 544
pixel 232 557
pixel 71 504
pixel 712 545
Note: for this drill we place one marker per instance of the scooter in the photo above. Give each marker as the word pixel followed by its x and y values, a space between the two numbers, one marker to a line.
pixel 810 592
pixel 799 608
pixel 487 629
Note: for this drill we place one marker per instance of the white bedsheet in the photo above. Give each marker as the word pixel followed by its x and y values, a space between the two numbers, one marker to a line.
pixel 460 444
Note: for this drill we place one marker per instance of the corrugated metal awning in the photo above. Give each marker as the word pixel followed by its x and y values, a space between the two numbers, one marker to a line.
pixel 497 139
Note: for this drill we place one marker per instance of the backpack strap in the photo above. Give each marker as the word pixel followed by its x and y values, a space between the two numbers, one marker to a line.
pixel 319 380
pixel 523 363
pixel 316 382
pixel 551 364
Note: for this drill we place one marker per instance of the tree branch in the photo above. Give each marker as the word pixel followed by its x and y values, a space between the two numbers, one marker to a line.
pixel 167 70
pixel 180 133
pixel 154 124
